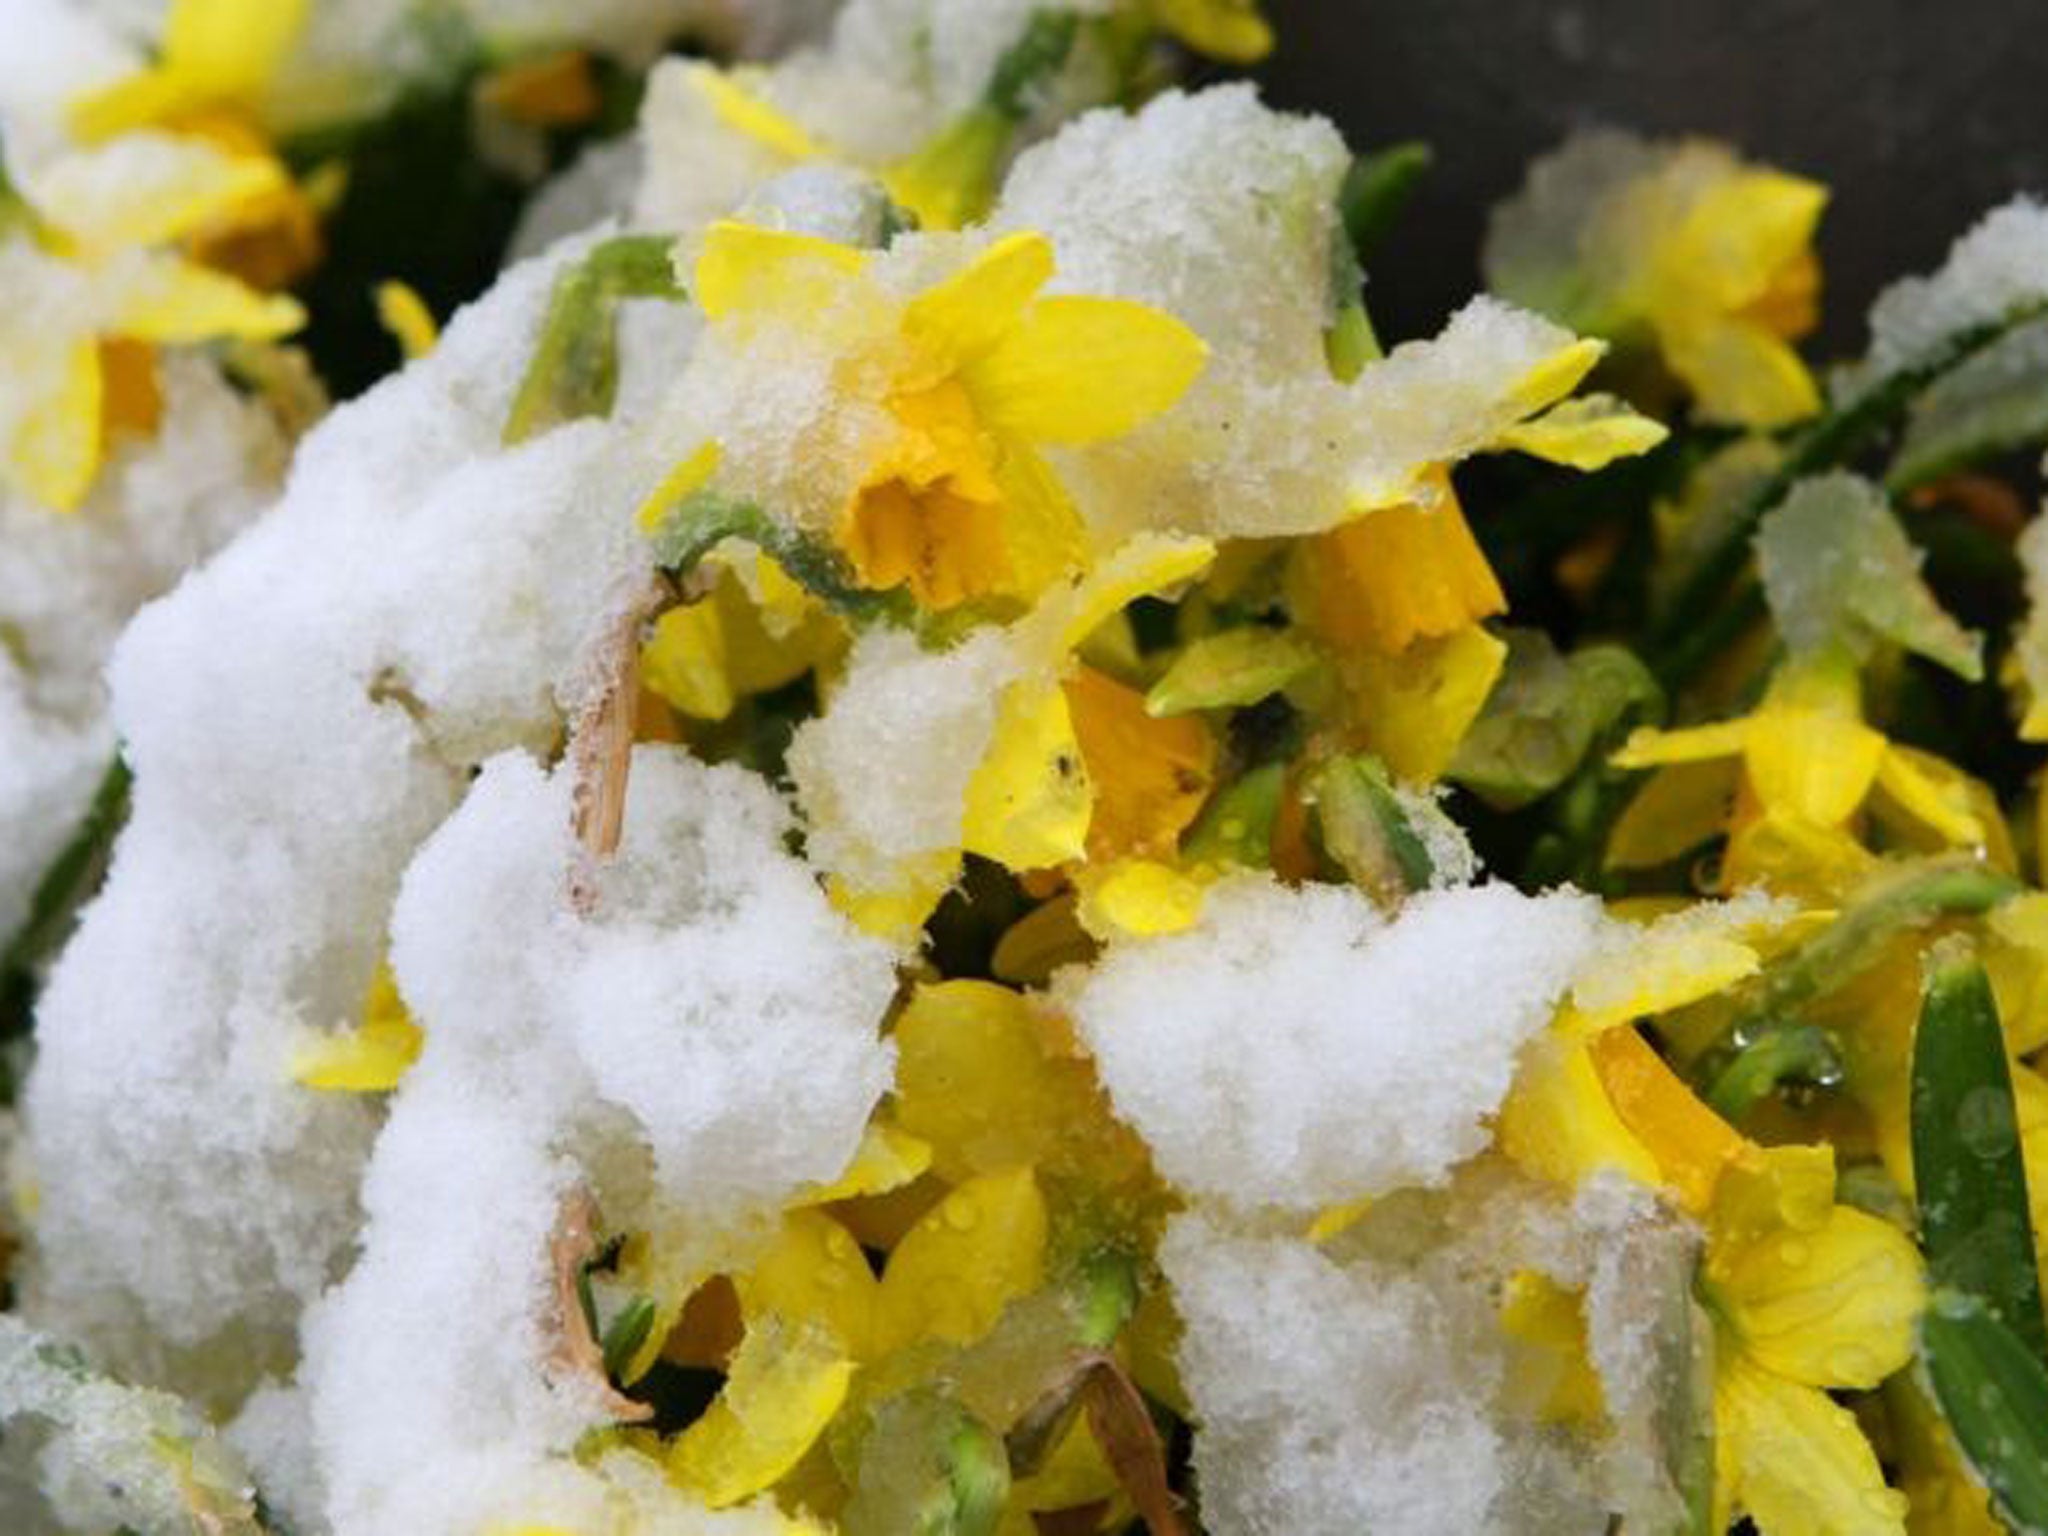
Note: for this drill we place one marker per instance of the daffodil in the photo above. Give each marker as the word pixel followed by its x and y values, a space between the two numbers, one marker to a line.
pixel 94 296
pixel 214 80
pixel 1810 764
pixel 1397 593
pixel 1709 258
pixel 976 375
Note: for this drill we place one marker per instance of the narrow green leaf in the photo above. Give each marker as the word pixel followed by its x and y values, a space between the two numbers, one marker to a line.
pixel 1234 667
pixel 1366 829
pixel 1376 189
pixel 574 370
pixel 1971 1183
pixel 1993 1390
pixel 702 521
pixel 1236 826
pixel 628 1331
pixel 1047 40
pixel 927 1467
pixel 70 878
pixel 1771 1059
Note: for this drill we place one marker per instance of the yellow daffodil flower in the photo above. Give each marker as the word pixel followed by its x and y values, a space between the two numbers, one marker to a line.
pixel 1807 1296
pixel 1709 258
pixel 957 503
pixel 213 81
pixel 754 632
pixel 92 296
pixel 1810 761
pixel 1397 593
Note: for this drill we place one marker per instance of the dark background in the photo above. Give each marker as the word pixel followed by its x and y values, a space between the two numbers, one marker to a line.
pixel 1919 114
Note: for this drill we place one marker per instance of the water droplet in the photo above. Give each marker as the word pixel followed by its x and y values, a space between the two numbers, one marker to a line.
pixel 1984 1123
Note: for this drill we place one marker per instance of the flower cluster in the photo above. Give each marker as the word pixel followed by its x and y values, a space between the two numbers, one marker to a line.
pixel 876 853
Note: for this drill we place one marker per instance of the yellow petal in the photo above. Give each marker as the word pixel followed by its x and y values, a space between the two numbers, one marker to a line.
pixel 1647 748
pixel 684 661
pixel 1230 30
pixel 405 315
pixel 57 443
pixel 1812 763
pixel 688 477
pixel 887 1158
pixel 1693 1147
pixel 896 910
pixel 1554 377
pixel 1149 776
pixel 1082 370
pixel 1401 573
pixel 1587 433
pixel 813 1272
pixel 1744 232
pixel 745 268
pixel 979 1249
pixel 1740 373
pixel 1558 1123
pixel 231 47
pixel 1833 1307
pixel 747 113
pixel 1668 965
pixel 150 189
pixel 1029 803
pixel 1416 707
pixel 1800 1464
pixel 787 1382
pixel 1144 566
pixel 1552 1373
pixel 173 302
pixel 1679 808
pixel 1137 898
pixel 1932 792
pixel 967 314
pixel 375 1055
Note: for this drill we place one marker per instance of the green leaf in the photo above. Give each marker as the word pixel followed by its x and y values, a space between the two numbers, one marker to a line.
pixel 628 1331
pixel 574 371
pixel 1993 404
pixel 927 1467
pixel 1234 667
pixel 1770 1059
pixel 1376 189
pixel 1366 829
pixel 702 521
pixel 1907 897
pixel 1546 714
pixel 1967 1171
pixel 71 877
pixel 1236 826
pixel 1047 40
pixel 1993 1390
pixel 1840 573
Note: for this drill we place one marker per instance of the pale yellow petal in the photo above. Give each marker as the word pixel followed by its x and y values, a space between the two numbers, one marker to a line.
pixel 56 449
pixel 965 315
pixel 747 113
pixel 1555 376
pixel 744 268
pixel 813 1272
pixel 690 475
pixel 1587 433
pixel 1413 709
pixel 1812 763
pixel 1832 1307
pixel 1741 373
pixel 787 1382
pixel 1138 897
pixel 888 1157
pixel 1932 792
pixel 979 1249
pixel 1082 370
pixel 1647 748
pixel 174 302
pixel 1800 1463
pixel 1028 804
pixel 150 188
pixel 402 312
